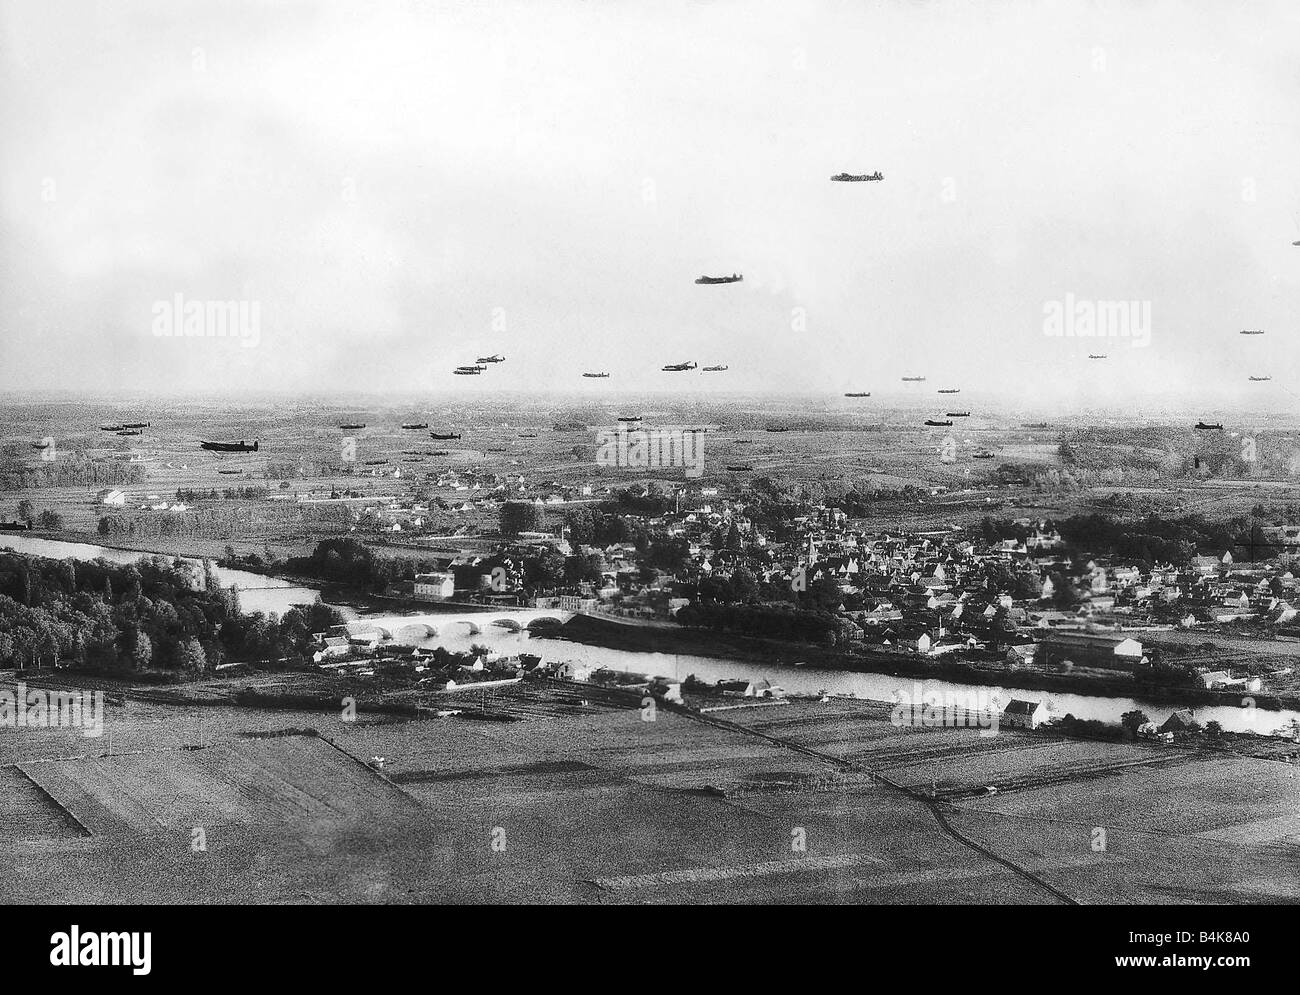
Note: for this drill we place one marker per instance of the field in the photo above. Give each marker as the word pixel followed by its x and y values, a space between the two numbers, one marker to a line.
pixel 596 805
pixel 864 443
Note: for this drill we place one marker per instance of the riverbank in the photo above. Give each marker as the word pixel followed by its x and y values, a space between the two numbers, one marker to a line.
pixel 702 642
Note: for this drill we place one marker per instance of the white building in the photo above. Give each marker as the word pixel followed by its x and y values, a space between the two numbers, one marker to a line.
pixel 435 586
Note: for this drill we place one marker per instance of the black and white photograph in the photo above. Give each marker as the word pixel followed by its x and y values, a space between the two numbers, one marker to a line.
pixel 606 453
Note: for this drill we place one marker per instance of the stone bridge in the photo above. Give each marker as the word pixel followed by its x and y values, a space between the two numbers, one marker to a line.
pixel 412 629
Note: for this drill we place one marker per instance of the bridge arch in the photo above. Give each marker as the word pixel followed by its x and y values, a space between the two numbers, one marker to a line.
pixel 412 632
pixel 508 623
pixel 474 629
pixel 544 622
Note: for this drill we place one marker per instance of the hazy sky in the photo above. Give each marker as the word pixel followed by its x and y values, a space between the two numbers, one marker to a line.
pixel 404 186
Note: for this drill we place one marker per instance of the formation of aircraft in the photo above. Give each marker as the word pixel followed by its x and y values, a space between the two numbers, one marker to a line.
pixel 479 366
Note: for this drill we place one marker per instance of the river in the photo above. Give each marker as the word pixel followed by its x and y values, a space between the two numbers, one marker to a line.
pixel 257 593
pixel 270 594
pixel 873 687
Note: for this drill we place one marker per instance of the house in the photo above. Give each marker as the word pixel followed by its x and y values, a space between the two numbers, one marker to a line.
pixel 113 498
pixel 434 586
pixel 1180 723
pixel 332 646
pixel 1024 714
pixel 1109 651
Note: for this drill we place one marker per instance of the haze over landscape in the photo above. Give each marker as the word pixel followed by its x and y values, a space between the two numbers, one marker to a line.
pixel 404 188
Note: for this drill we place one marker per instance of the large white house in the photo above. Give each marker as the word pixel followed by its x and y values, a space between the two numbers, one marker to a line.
pixel 435 586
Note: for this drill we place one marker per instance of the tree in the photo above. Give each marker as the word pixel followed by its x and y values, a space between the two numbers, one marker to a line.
pixel 1133 721
pixel 25 510
pixel 1003 628
pixel 744 586
pixel 190 657
pixel 1213 729
pixel 547 569
pixel 49 521
pixel 520 516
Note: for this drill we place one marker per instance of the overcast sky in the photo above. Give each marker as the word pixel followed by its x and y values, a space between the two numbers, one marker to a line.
pixel 402 187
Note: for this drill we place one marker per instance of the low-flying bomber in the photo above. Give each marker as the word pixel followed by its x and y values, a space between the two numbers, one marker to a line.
pixel 982 454
pixel 1260 379
pixel 734 278
pixel 444 436
pixel 629 417
pixel 136 424
pixel 935 423
pixel 949 390
pixel 679 367
pixel 414 425
pixel 957 414
pixel 1093 355
pixel 111 428
pixel 352 427
pixel 860 178
pixel 714 369
pixel 229 447
pixel 494 358
pixel 1203 427
pixel 468 371
pixel 858 393
pixel 130 431
pixel 1252 331
pixel 596 376
pixel 913 379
